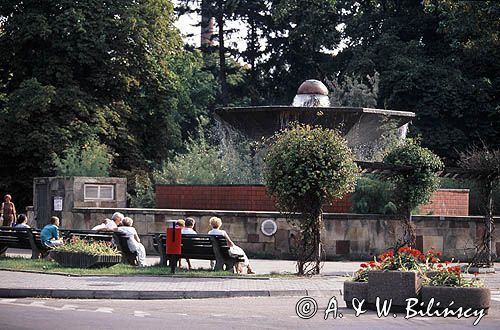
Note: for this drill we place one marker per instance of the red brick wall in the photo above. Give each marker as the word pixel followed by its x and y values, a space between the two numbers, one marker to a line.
pixel 230 197
pixel 254 198
pixel 447 202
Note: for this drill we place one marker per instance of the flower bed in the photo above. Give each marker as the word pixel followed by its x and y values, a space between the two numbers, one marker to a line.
pixel 79 253
pixel 408 273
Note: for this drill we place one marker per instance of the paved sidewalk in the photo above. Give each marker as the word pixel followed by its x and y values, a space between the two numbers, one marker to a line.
pixel 25 284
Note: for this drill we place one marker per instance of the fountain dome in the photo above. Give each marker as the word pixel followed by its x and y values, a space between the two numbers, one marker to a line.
pixel 312 86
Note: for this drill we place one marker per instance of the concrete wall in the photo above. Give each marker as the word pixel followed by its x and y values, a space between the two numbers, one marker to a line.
pixel 345 236
pixel 255 198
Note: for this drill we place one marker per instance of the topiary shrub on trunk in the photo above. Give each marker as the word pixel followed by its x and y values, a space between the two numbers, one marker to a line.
pixel 306 167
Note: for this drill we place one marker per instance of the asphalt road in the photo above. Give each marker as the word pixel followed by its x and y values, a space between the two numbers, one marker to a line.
pixel 227 313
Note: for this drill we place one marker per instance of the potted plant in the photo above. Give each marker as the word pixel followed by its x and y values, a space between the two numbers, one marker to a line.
pixel 82 254
pixel 357 285
pixel 452 290
pixel 391 276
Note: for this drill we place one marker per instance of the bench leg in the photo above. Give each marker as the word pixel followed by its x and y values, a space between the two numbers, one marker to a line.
pixel 173 258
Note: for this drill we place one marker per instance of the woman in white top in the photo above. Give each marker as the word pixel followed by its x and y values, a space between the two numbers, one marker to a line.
pixel 22 221
pixel 134 242
pixel 216 223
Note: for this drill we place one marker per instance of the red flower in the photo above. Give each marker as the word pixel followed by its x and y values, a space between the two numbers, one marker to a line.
pixel 422 257
pixel 447 262
pixel 434 260
pixel 363 265
pixel 439 265
pixel 390 253
pixel 475 274
pixel 439 254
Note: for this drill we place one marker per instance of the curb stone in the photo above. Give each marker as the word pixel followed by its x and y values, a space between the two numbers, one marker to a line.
pixel 121 294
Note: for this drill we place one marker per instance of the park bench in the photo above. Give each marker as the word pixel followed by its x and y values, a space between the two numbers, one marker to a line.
pixel 86 235
pixel 121 242
pixel 199 246
pixel 22 238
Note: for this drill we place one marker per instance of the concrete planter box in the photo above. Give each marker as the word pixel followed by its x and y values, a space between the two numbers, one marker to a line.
pixel 354 290
pixel 475 298
pixel 82 260
pixel 395 285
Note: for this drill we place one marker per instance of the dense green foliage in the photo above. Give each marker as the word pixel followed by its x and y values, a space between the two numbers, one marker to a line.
pixel 205 163
pixel 306 167
pixel 72 70
pixel 118 71
pixel 373 196
pixel 414 187
pixel 91 159
pixel 438 58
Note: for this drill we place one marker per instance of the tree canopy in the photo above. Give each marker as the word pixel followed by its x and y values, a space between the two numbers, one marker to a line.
pixel 72 70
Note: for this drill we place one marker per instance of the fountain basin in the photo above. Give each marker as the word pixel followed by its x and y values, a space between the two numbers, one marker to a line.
pixel 362 127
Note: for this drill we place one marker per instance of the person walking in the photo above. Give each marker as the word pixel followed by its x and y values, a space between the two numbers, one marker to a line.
pixel 8 211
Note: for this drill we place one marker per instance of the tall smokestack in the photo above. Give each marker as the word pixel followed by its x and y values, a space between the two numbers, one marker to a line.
pixel 207 26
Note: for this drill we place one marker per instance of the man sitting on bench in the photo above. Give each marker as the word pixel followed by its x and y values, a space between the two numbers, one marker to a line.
pixel 50 234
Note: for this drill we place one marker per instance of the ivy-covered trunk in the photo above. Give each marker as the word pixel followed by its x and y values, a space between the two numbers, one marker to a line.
pixel 310 255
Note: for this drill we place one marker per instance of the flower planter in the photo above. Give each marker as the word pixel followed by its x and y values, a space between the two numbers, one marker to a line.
pixel 395 285
pixel 474 298
pixel 354 290
pixel 82 260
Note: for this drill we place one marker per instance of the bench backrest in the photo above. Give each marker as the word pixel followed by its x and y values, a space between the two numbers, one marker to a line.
pixel 15 237
pixel 38 241
pixel 87 235
pixel 121 241
pixel 198 246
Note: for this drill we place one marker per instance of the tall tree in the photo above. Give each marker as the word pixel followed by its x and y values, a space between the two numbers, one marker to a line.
pixel 437 58
pixel 301 38
pixel 70 70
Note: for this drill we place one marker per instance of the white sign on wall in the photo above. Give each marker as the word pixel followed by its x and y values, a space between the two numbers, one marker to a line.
pixel 58 203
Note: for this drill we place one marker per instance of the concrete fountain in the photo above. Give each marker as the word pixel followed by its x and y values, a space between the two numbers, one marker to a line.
pixel 365 129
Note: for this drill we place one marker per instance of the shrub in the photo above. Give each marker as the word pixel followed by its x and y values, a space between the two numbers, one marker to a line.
pixel 204 163
pixel 305 168
pixel 143 196
pixel 373 195
pixel 415 186
pixel 90 159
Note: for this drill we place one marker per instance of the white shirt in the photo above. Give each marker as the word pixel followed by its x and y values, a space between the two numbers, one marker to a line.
pixel 109 224
pixel 128 231
pixel 188 231
pixel 217 232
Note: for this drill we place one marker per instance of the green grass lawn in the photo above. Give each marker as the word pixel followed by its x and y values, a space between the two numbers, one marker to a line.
pixel 46 266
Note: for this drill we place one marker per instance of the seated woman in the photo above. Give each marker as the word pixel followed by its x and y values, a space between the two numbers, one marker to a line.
pixel 216 223
pixel 134 242
pixel 22 221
